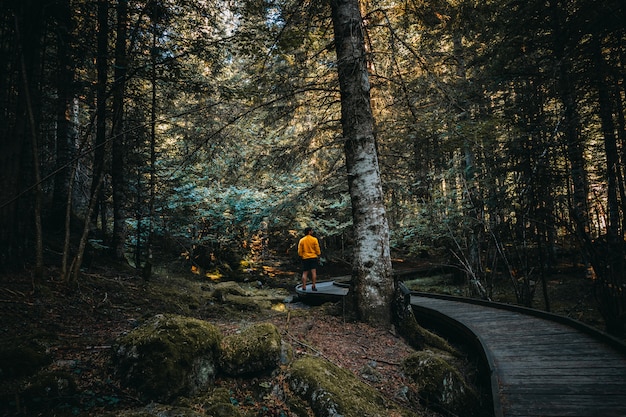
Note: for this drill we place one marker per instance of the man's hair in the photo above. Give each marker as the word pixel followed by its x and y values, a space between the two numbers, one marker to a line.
pixel 307 230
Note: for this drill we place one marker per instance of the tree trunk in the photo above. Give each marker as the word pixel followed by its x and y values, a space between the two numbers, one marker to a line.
pixel 28 37
pixel 611 279
pixel 147 269
pixel 74 271
pixel 99 154
pixel 66 132
pixel 571 125
pixel 472 204
pixel 15 206
pixel 371 266
pixel 118 160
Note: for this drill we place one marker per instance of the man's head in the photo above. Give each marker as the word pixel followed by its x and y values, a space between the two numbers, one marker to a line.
pixel 308 230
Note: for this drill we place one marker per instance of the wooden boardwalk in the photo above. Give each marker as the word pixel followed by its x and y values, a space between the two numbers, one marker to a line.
pixel 539 366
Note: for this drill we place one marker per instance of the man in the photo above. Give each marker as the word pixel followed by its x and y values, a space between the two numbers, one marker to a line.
pixel 309 251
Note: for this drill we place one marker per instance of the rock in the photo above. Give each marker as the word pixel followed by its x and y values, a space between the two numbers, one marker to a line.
pixel 440 383
pixel 370 373
pixel 234 296
pixel 332 391
pixel 256 349
pixel 47 389
pixel 168 356
pixel 246 303
pixel 20 358
pixel 408 327
pixel 225 288
pixel 218 403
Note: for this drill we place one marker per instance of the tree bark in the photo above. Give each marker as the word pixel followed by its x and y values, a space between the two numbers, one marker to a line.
pixel 66 132
pixel 147 268
pixel 611 279
pixel 101 110
pixel 118 160
pixel 16 175
pixel 571 128
pixel 371 267
pixel 27 37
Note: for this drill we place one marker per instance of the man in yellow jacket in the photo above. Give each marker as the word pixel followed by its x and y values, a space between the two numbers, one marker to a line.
pixel 309 251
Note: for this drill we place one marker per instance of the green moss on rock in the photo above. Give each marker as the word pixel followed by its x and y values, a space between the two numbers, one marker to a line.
pixel 440 382
pixel 334 391
pixel 255 349
pixel 414 334
pixel 169 355
pixel 222 289
pixel 245 303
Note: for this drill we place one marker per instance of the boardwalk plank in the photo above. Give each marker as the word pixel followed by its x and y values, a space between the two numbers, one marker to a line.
pixel 554 366
pixel 513 380
pixel 590 388
pixel 542 367
pixel 545 352
pixel 565 405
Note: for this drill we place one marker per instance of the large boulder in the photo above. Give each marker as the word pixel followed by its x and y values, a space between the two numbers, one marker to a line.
pixel 256 349
pixel 440 383
pixel 168 356
pixel 332 391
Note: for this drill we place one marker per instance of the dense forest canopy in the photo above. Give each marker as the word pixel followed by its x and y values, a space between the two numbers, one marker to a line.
pixel 213 129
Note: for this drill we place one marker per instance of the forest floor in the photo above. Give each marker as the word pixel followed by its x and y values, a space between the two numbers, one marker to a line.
pixel 80 323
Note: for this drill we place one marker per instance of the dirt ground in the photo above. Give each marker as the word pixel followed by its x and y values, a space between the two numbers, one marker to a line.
pixel 78 325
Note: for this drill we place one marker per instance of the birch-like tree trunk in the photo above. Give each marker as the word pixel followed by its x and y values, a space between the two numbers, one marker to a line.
pixel 371 267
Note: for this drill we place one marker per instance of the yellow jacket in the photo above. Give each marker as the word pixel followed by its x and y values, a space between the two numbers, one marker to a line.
pixel 309 247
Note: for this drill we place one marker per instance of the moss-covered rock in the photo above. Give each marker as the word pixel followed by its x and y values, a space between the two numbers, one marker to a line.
pixel 408 327
pixel 334 391
pixel 440 383
pixel 255 349
pixel 168 356
pixel 419 338
pixel 223 289
pixel 21 357
pixel 219 402
pixel 233 295
pixel 247 304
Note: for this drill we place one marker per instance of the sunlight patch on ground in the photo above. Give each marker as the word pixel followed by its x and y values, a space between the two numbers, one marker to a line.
pixel 279 307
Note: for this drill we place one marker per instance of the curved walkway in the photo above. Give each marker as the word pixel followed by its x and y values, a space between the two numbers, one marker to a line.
pixel 540 364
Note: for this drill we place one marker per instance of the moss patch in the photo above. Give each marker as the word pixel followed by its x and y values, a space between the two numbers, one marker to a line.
pixel 170 355
pixel 236 297
pixel 331 390
pixel 440 383
pixel 257 348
